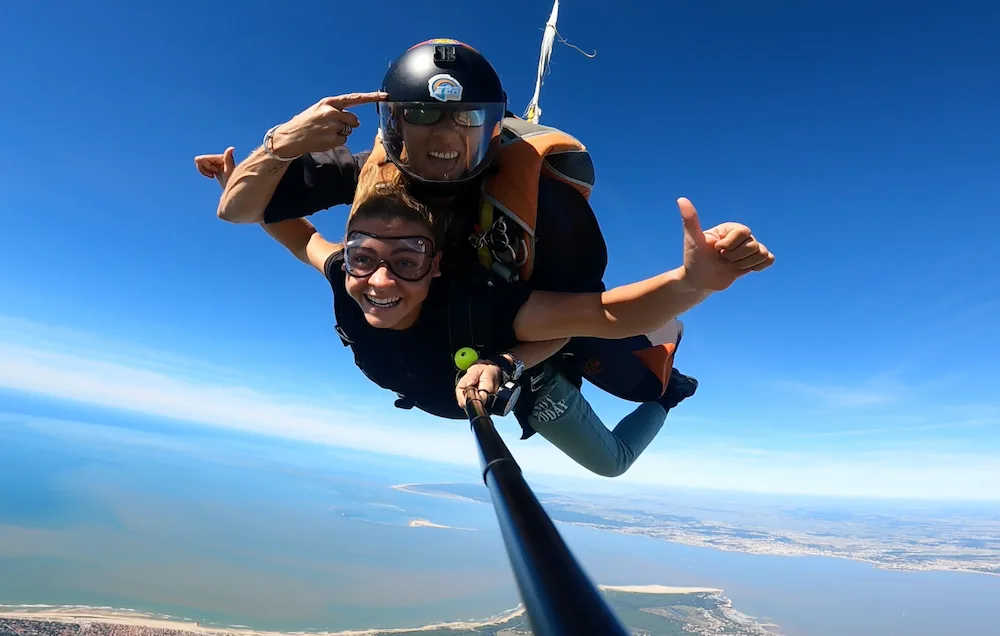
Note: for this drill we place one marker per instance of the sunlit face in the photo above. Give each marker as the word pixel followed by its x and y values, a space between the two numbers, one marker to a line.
pixel 441 151
pixel 388 300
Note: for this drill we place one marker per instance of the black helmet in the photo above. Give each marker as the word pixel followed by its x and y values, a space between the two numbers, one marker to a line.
pixel 442 119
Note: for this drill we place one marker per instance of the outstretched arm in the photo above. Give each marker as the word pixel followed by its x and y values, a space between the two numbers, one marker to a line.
pixel 297 235
pixel 620 312
pixel 713 261
pixel 251 187
pixel 301 239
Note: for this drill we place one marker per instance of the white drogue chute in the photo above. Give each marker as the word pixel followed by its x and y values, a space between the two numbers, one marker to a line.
pixel 534 111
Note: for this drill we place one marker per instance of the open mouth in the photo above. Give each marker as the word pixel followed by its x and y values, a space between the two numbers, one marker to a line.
pixel 383 303
pixel 449 155
pixel 444 160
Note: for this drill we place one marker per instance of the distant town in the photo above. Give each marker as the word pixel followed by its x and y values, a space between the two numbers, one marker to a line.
pixel 897 541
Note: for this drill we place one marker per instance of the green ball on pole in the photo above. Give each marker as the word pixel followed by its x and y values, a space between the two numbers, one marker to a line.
pixel 465 358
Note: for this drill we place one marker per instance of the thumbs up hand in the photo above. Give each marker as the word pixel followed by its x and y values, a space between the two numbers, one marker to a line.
pixel 714 259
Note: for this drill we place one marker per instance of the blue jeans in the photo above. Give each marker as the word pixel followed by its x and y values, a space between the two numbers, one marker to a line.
pixel 563 416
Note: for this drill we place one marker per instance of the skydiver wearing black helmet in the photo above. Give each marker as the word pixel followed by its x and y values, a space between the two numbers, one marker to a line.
pixel 446 103
pixel 518 193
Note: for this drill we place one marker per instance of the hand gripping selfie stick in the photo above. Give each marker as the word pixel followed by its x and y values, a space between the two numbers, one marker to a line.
pixel 558 596
pixel 500 403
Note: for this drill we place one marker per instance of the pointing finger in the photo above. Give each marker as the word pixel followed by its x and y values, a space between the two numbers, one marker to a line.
pixel 355 99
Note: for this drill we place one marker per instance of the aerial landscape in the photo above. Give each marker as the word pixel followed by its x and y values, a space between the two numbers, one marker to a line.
pixel 229 357
pixel 645 611
pixel 916 540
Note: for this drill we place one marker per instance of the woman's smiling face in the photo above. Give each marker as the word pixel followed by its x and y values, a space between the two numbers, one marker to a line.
pixel 405 263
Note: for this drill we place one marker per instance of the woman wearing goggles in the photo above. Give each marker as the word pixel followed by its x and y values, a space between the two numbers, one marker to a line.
pixel 397 317
pixel 387 270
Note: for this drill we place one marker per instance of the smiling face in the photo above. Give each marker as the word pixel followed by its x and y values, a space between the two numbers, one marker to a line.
pixel 389 266
pixel 441 143
pixel 442 151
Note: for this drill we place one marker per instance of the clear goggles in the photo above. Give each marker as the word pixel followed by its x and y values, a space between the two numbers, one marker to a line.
pixel 409 258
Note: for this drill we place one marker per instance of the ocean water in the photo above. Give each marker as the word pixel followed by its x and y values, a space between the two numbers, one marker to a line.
pixel 107 509
pixel 229 529
pixel 805 596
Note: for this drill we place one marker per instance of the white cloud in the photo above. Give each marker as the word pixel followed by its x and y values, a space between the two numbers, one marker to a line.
pixel 840 396
pixel 921 475
pixel 159 385
pixel 130 385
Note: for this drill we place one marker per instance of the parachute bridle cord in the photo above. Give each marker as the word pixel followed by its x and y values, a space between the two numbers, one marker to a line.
pixel 563 40
pixel 534 112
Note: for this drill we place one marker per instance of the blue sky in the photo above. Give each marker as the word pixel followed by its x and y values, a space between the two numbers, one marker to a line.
pixel 858 141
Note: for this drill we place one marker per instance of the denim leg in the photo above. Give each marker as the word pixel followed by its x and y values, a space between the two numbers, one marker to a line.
pixel 564 417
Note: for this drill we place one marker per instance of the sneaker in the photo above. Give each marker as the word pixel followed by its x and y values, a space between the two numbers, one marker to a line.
pixel 679 388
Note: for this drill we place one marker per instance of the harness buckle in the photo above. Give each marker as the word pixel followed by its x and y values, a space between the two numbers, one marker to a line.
pixel 506 258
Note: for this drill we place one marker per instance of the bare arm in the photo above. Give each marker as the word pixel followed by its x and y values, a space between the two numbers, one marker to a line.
pixel 535 353
pixel 301 239
pixel 713 261
pixel 320 128
pixel 250 187
pixel 246 189
pixel 624 311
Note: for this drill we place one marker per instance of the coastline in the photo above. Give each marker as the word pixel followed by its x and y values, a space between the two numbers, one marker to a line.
pixel 408 489
pixel 77 614
pixel 425 523
pixel 659 589
pixel 747 546
pixel 80 614
pixel 762 548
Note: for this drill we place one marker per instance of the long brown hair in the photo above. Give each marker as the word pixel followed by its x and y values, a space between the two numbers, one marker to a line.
pixel 374 174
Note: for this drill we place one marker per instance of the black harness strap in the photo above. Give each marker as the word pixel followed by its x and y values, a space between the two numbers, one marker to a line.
pixel 465 323
pixel 460 328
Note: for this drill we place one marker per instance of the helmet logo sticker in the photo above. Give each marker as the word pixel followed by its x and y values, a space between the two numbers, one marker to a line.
pixel 444 88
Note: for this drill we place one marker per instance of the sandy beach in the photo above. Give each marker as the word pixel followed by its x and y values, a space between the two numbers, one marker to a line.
pixel 75 614
pixel 408 488
pixel 78 614
pixel 424 523
pixel 660 589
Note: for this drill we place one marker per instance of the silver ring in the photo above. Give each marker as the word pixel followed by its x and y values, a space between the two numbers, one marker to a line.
pixel 347 130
